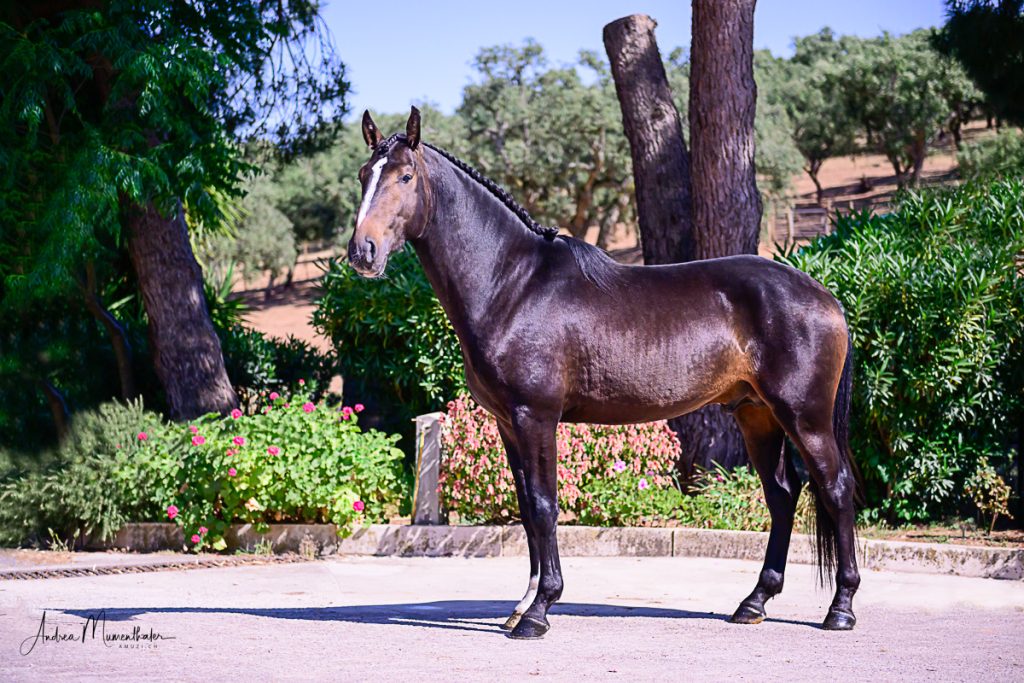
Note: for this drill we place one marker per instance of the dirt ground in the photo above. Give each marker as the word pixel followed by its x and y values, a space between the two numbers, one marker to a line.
pixel 437 619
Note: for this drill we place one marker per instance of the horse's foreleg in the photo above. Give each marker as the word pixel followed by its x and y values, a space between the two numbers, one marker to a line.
pixel 514 462
pixel 765 441
pixel 535 440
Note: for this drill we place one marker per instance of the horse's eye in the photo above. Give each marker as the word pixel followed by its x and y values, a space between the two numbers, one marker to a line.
pixel 406 178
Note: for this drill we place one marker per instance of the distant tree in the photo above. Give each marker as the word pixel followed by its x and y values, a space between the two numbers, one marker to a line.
pixel 777 157
pixel 821 125
pixel 987 38
pixel 899 89
pixel 116 118
pixel 547 136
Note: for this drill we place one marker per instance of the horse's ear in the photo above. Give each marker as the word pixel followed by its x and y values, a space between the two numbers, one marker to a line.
pixel 371 133
pixel 412 128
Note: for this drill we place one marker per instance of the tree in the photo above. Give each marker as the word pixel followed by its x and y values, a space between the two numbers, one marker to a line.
pixel 822 127
pixel 903 94
pixel 549 137
pixel 661 163
pixel 987 38
pixel 727 220
pixel 119 117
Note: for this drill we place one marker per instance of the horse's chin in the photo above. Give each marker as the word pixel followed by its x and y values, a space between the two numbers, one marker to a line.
pixel 374 272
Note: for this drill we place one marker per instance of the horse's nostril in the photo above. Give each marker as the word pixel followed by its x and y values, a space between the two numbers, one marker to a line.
pixel 371 248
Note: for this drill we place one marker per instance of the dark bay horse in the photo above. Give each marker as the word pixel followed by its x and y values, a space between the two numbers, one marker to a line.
pixel 552 330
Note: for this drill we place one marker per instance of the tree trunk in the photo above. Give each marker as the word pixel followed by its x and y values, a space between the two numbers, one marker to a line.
pixel 662 174
pixel 661 165
pixel 186 350
pixel 726 202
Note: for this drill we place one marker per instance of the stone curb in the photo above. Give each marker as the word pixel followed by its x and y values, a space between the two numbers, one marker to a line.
pixel 581 541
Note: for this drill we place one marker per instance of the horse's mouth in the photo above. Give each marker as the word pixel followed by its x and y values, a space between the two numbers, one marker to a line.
pixel 372 272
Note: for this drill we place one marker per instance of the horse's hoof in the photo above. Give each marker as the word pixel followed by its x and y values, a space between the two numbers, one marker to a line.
pixel 747 614
pixel 839 620
pixel 511 622
pixel 529 628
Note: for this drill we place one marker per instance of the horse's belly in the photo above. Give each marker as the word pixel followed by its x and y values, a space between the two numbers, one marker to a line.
pixel 656 381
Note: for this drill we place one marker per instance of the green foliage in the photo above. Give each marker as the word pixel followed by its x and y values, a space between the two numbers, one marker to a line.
pixel 935 305
pixel 293 461
pixel 395 345
pixel 299 462
pixel 989 493
pixel 902 92
pixel 987 38
pixel 257 364
pixel 999 156
pixel 724 499
pixel 103 475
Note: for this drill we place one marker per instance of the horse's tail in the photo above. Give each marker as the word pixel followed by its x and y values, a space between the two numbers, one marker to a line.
pixel 825 525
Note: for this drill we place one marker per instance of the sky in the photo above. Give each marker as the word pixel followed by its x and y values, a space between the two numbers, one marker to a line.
pixel 402 53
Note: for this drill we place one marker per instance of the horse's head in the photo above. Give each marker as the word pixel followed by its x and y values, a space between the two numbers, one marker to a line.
pixel 396 196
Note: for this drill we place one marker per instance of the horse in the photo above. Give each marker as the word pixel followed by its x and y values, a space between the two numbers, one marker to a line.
pixel 553 330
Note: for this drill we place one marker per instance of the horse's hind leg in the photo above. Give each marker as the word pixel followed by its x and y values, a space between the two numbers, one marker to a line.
pixel 833 485
pixel 765 441
pixel 520 478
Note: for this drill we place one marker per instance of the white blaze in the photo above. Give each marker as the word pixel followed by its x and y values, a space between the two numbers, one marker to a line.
pixel 370 189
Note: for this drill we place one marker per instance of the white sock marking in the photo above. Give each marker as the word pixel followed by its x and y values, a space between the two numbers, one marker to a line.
pixel 365 206
pixel 531 593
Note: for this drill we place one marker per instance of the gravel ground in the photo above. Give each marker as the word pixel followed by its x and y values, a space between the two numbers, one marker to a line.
pixel 437 618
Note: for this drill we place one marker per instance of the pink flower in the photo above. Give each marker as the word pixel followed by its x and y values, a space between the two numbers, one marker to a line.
pixel 619 466
pixel 172 511
pixel 360 407
pixel 231 451
pixel 643 484
pixel 235 414
pixel 203 530
pixel 232 471
pixel 198 440
pixel 143 436
pixel 358 506
pixel 308 407
pixel 273 450
pixel 346 413
pixel 302 382
pixel 238 441
pixel 195 538
pixel 287 405
pixel 193 429
pixel 274 395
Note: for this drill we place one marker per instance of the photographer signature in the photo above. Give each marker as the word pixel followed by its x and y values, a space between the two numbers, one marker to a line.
pixel 94 628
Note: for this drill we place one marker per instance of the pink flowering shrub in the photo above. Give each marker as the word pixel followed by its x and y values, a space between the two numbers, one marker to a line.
pixel 607 474
pixel 291 461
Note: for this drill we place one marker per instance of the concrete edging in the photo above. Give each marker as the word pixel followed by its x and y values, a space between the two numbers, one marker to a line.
pixel 582 541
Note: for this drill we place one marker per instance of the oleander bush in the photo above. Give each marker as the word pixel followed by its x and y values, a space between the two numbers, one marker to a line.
pixel 934 297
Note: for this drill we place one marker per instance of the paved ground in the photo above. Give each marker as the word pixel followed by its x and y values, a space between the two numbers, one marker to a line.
pixel 621 618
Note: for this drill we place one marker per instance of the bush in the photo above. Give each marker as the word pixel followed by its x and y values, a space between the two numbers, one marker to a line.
pixel 298 461
pixel 935 304
pixel 999 156
pixel 606 474
pixel 393 339
pixel 725 499
pixel 293 461
pixel 103 475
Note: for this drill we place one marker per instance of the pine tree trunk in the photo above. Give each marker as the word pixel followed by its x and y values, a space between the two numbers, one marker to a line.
pixel 185 347
pixel 661 165
pixel 726 203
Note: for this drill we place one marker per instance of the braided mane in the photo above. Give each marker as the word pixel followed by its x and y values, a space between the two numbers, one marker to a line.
pixel 499 192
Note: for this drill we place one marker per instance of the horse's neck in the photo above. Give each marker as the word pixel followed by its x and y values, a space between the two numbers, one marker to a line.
pixel 473 249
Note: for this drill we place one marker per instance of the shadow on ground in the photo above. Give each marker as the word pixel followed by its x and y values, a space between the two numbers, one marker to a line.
pixel 465 615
